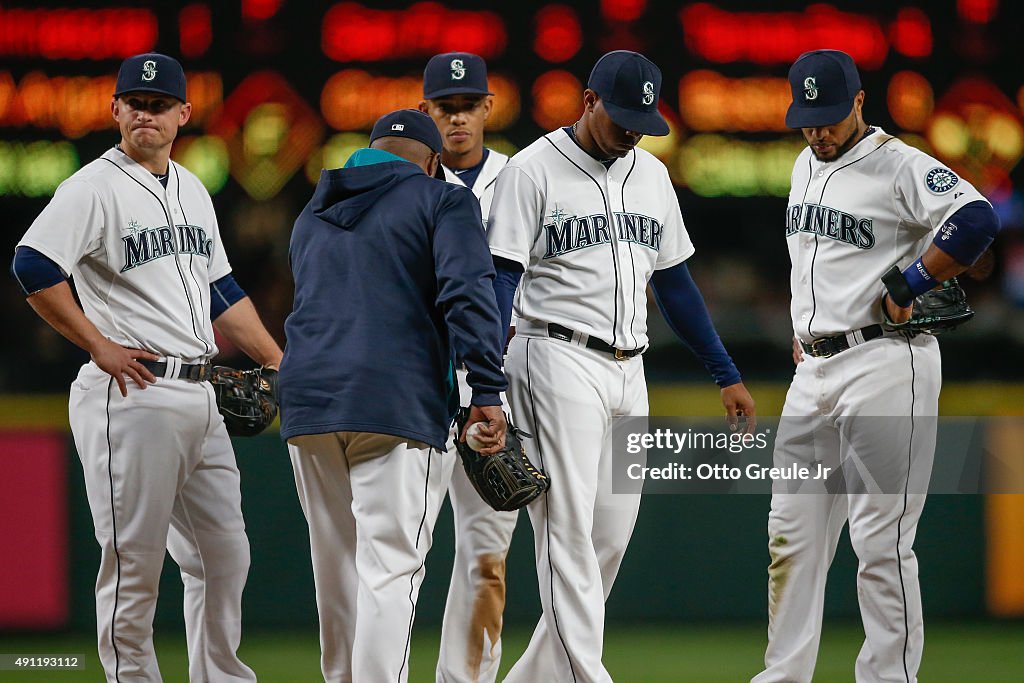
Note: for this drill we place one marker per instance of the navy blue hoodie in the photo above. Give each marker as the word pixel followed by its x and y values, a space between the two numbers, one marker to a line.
pixel 391 271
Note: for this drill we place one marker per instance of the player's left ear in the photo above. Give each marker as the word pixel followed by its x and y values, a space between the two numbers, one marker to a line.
pixel 423 107
pixel 184 114
pixel 589 100
pixel 488 105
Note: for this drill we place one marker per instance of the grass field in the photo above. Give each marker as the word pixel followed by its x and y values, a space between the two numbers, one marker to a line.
pixel 981 652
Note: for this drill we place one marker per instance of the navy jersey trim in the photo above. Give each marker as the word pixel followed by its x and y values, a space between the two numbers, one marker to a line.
pixel 113 527
pixel 613 243
pixel 547 514
pixel 632 262
pixel 177 251
pixel 821 199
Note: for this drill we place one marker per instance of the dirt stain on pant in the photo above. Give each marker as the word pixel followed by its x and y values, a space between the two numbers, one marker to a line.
pixel 778 572
pixel 485 629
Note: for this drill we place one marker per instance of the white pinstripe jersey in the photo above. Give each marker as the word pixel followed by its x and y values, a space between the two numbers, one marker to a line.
pixel 851 219
pixel 483 188
pixel 588 237
pixel 142 283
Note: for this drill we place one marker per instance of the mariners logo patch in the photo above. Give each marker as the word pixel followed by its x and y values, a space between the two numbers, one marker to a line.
pixel 810 89
pixel 148 70
pixel 458 70
pixel 648 93
pixel 940 180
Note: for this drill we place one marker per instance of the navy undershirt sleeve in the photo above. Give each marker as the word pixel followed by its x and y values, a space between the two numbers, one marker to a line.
pixel 968 232
pixel 224 293
pixel 505 282
pixel 34 271
pixel 683 307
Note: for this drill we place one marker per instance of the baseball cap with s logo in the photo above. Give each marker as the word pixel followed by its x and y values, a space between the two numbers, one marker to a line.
pixel 628 84
pixel 824 84
pixel 151 72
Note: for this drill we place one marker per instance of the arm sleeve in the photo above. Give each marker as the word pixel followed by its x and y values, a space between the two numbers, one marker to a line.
pixel 70 226
pixel 465 280
pixel 968 232
pixel 683 307
pixel 506 280
pixel 224 293
pixel 34 271
pixel 515 216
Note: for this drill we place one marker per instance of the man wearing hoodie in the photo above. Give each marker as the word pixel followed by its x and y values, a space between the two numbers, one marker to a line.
pixel 393 278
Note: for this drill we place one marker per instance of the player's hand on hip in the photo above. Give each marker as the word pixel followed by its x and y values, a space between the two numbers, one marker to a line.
pixel 492 433
pixel 896 313
pixel 119 362
pixel 798 352
pixel 739 404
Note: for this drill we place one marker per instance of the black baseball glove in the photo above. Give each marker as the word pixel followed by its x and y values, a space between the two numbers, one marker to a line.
pixel 936 311
pixel 246 398
pixel 506 480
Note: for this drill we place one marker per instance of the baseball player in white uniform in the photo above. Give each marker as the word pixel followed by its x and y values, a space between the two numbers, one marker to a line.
pixel 590 219
pixel 138 234
pixel 456 97
pixel 861 201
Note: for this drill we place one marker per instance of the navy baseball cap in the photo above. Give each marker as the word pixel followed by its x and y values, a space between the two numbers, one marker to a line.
pixel 824 85
pixel 455 73
pixel 151 72
pixel 629 84
pixel 408 123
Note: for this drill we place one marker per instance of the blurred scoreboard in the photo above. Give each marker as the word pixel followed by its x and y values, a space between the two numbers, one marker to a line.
pixel 283 88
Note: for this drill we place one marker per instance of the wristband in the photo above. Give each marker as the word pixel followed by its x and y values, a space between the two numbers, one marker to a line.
pixel 904 287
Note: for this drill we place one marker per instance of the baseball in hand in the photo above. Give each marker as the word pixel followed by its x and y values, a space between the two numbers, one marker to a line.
pixel 471 436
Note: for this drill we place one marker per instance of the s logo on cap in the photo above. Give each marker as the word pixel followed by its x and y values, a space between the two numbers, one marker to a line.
pixel 810 88
pixel 148 70
pixel 458 70
pixel 648 93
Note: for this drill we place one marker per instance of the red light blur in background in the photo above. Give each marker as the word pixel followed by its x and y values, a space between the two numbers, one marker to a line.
pixel 260 9
pixel 557 99
pixel 774 37
pixel 195 32
pixel 353 33
pixel 34 590
pixel 623 10
pixel 76 34
pixel 977 11
pixel 557 35
pixel 911 33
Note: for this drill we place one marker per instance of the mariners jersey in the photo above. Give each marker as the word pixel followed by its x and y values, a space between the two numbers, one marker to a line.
pixel 588 237
pixel 849 220
pixel 483 188
pixel 142 256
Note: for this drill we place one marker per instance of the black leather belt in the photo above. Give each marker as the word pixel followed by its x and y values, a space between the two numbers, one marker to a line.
pixel 196 373
pixel 565 334
pixel 826 347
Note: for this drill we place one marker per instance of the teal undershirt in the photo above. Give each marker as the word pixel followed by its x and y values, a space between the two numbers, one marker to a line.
pixel 368 157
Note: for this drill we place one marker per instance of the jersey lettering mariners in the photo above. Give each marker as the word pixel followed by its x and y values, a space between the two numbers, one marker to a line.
pixel 851 219
pixel 588 237
pixel 142 282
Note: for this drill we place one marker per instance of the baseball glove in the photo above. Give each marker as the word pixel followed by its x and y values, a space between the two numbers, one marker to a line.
pixel 246 398
pixel 936 311
pixel 506 480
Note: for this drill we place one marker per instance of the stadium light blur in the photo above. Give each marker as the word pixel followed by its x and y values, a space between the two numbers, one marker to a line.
pixel 260 10
pixel 709 102
pixel 207 157
pixel 977 11
pixel 353 33
pixel 195 32
pixel 35 169
pixel 557 99
pixel 779 37
pixel 715 166
pixel 557 35
pixel 353 99
pixel 911 33
pixel 623 10
pixel 910 100
pixel 94 34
